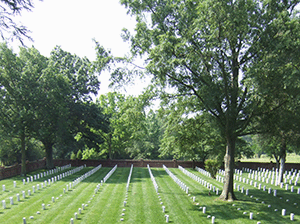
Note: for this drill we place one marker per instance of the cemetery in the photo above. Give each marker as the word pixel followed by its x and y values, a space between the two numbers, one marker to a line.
pixel 99 194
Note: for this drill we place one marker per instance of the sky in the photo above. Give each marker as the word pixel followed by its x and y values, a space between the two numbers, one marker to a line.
pixel 72 24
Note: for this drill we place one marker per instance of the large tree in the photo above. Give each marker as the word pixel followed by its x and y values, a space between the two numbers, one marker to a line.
pixel 19 89
pixel 206 49
pixel 66 83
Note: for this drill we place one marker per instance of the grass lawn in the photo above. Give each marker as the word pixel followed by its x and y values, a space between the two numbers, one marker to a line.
pixel 290 158
pixel 143 204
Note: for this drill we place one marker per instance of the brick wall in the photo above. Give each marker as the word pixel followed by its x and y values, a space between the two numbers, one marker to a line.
pixel 41 164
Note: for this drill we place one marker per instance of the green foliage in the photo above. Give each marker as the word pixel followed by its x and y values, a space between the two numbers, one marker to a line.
pixel 73 155
pixel 79 154
pixel 212 166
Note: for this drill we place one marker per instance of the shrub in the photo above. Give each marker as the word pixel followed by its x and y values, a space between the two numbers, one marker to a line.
pixel 79 154
pixel 73 155
pixel 212 166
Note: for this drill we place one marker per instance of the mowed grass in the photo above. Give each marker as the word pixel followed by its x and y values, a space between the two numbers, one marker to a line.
pixel 143 204
pixel 290 158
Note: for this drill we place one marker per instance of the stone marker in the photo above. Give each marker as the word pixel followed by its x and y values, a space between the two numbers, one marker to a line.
pixel 15 184
pixel 204 210
pixel 251 215
pixel 292 216
pixel 164 209
pixel 18 197
pixel 53 199
pixel 167 218
pixel 23 192
pixel 11 200
pixel 3 187
pixel 75 215
pixel 71 221
pixel 24 220
pixel 29 192
pixel 283 212
pixel 212 219
pixel 4 204
pixel 79 211
pixel 43 206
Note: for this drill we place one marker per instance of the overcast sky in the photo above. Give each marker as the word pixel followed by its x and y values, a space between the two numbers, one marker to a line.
pixel 72 24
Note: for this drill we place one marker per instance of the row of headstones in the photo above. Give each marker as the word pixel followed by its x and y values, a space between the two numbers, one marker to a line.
pixel 110 173
pixel 200 180
pixel 76 214
pixel 44 174
pixel 38 176
pixel 156 189
pixel 265 174
pixel 41 185
pixel 255 184
pixel 86 175
pixel 129 177
pixel 202 171
pixel 182 185
pixel 69 186
pixel 152 178
pixel 126 196
pixel 205 184
pixel 262 178
pixel 264 189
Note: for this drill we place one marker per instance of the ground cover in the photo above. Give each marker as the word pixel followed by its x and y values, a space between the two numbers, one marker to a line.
pixel 290 158
pixel 143 204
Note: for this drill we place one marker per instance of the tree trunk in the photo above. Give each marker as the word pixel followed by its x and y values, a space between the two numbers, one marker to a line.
pixel 49 156
pixel 23 155
pixel 109 147
pixel 282 161
pixel 228 193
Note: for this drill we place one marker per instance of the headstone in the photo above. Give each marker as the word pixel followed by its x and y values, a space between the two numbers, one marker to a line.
pixel 11 200
pixel 212 219
pixel 29 192
pixel 15 184
pixel 164 209
pixel 24 220
pixel 23 192
pixel 283 212
pixel 251 215
pixel 167 218
pixel 75 215
pixel 4 204
pixel 18 197
pixel 3 187
pixel 204 210
pixel 292 216
pixel 275 192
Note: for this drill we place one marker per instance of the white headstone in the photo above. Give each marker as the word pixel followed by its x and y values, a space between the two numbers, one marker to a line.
pixel 251 215
pixel 292 216
pixel 283 212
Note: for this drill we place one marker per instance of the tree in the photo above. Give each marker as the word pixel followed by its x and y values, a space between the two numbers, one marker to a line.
pixel 188 134
pixel 277 79
pixel 19 91
pixel 206 49
pixel 67 82
pixel 9 9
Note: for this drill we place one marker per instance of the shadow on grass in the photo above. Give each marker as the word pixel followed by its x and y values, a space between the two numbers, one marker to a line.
pixel 234 211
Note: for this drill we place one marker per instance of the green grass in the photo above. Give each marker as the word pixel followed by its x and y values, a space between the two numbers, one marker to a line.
pixel 143 203
pixel 291 158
